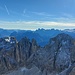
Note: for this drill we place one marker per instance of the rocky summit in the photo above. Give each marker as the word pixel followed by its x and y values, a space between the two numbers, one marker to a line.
pixel 26 57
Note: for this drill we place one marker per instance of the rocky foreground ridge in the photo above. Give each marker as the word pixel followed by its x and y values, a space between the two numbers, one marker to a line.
pixel 28 58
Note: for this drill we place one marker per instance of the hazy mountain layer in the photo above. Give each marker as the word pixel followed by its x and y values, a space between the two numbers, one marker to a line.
pixel 42 36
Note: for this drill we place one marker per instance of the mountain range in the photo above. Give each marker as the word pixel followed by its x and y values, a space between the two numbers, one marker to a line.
pixel 42 36
pixel 22 55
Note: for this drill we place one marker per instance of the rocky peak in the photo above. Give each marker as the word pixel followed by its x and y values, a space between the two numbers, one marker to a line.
pixel 57 55
pixel 7 42
pixel 61 48
pixel 34 42
pixel 62 38
pixel 35 46
pixel 24 47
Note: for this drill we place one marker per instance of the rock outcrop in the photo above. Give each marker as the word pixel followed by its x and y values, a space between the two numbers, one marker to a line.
pixel 8 54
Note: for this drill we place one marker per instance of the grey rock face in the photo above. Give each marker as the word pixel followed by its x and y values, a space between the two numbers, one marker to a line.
pixel 61 46
pixel 55 58
pixel 8 56
pixel 24 71
pixel 35 46
pixel 14 54
pixel 24 47
pixel 72 72
pixel 57 55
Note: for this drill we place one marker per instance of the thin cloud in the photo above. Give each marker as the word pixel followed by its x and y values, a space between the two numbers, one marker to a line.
pixel 24 14
pixel 42 14
pixel 67 15
pixel 24 11
pixel 33 25
pixel 6 9
pixel 13 13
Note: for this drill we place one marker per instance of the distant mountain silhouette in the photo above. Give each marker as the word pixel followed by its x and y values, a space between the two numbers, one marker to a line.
pixel 42 36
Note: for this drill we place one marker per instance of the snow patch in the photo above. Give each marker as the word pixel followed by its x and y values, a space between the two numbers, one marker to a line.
pixel 7 39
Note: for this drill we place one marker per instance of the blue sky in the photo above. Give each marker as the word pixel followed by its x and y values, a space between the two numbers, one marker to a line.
pixel 34 14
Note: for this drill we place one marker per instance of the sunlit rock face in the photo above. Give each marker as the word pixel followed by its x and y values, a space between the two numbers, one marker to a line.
pixel 57 57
